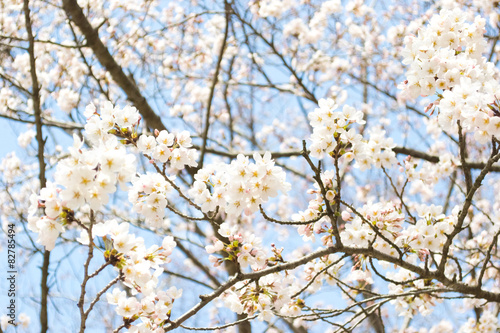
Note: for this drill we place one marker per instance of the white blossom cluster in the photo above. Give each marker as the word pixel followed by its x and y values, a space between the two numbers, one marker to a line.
pixel 161 147
pixel 140 268
pixel 170 147
pixel 311 33
pixel 240 186
pixel 429 173
pixel 332 136
pixel 271 8
pixel 148 195
pixel 427 234
pixel 246 250
pixel 386 217
pixel 24 139
pixel 86 178
pixel 446 58
pixel 11 168
pixel 109 120
pixel 322 270
pixel 413 303
pixel 89 176
pixel 272 294
pixel 488 323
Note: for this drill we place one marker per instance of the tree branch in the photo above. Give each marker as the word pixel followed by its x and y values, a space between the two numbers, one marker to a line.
pixel 75 13
pixel 214 84
pixel 35 95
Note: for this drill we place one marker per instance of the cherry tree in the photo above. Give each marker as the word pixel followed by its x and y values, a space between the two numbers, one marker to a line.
pixel 238 166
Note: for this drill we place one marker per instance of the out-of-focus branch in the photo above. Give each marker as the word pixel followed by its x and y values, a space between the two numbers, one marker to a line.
pixel 198 264
pixel 187 278
pixel 214 83
pixel 75 13
pixel 435 159
pixel 35 95
pixel 307 93
pixel 15 84
pixel 238 322
pixel 65 125
pixel 89 67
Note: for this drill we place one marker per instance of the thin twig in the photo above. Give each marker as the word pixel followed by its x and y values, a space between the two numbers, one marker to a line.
pixel 214 83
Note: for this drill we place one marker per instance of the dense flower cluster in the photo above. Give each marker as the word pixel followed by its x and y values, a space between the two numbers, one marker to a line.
pixel 307 33
pixel 429 173
pixel 240 186
pixel 123 122
pixel 271 293
pixel 11 168
pixel 270 8
pixel 86 177
pixel 488 323
pixel 319 48
pixel 110 120
pixel 246 250
pixel 387 218
pixel 382 228
pixel 170 147
pixel 429 232
pixel 446 58
pixel 332 135
pixel 148 195
pixel 140 268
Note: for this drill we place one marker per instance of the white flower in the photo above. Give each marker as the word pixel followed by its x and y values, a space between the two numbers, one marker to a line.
pixel 146 144
pixel 24 139
pixel 116 296
pixel 127 117
pixel 49 230
pixel 90 110
pixel 184 139
pixel 128 307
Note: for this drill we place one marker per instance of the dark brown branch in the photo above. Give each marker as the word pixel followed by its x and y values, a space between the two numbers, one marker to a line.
pixel 452 285
pixel 47 122
pixel 435 159
pixel 270 219
pixel 465 208
pixel 317 176
pixel 398 150
pixel 75 13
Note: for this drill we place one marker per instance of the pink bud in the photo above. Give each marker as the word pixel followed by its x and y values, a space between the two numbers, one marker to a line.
pixel 346 216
